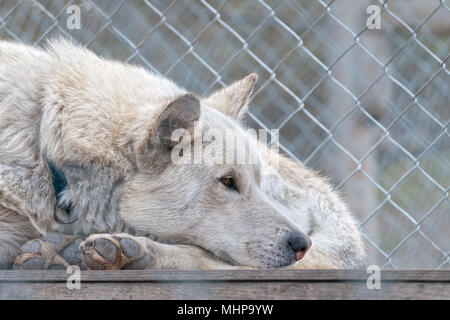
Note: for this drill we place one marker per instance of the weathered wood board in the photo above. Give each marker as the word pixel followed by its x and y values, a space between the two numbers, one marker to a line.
pixel 248 284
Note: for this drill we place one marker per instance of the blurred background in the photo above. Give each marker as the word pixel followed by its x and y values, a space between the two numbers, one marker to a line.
pixel 368 107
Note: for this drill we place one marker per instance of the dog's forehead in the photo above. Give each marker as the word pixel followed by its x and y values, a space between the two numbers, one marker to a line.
pixel 234 136
pixel 217 120
pixel 214 121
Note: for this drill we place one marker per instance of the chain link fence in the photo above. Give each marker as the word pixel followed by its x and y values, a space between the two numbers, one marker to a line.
pixel 368 107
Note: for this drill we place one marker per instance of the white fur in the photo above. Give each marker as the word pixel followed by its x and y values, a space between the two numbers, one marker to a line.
pixel 93 118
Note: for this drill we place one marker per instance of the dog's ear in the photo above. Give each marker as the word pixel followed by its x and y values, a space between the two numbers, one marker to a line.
pixel 233 99
pixel 181 113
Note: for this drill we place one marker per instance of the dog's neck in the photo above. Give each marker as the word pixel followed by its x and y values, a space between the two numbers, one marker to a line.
pixel 89 194
pixel 59 183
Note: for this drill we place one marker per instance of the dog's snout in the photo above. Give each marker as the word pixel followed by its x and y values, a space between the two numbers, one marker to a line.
pixel 299 243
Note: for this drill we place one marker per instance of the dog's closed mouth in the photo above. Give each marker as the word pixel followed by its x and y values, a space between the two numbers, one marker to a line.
pixel 225 257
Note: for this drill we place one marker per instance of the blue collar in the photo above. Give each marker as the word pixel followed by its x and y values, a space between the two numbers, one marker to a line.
pixel 58 179
pixel 59 182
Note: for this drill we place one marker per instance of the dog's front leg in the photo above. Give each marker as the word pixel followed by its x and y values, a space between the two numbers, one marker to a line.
pixel 123 251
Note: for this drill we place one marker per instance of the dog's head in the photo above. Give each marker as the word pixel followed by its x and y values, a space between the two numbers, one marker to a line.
pixel 202 180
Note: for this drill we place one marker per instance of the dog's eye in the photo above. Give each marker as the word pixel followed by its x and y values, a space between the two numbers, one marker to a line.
pixel 228 181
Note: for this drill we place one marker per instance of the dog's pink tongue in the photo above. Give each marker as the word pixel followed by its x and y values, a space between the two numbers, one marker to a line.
pixel 302 250
pixel 299 255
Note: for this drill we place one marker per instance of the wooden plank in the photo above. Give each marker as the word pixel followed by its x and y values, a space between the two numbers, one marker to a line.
pixel 225 290
pixel 245 284
pixel 227 275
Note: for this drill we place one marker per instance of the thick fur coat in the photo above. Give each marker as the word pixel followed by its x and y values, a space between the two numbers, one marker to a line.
pixel 107 126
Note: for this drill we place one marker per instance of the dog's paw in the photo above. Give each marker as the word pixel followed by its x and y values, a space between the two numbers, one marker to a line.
pixel 52 252
pixel 114 252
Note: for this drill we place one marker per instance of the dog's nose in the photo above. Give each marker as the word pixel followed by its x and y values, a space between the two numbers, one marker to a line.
pixel 299 243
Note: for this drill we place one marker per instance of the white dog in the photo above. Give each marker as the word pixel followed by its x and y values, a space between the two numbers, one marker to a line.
pixel 87 148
